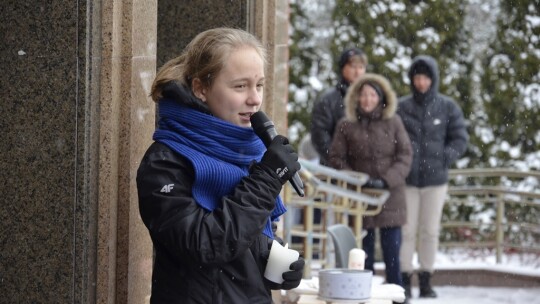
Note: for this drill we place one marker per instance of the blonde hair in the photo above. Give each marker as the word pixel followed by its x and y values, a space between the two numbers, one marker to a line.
pixel 204 57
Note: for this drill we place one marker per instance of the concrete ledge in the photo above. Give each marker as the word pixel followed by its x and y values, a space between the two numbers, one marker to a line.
pixel 484 277
pixel 479 277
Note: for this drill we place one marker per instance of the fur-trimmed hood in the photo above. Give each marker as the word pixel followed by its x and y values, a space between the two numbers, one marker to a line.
pixel 351 99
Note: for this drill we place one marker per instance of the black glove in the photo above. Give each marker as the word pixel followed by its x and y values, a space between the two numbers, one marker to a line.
pixel 376 183
pixel 291 278
pixel 281 158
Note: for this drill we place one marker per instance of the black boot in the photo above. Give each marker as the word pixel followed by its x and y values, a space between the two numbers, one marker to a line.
pixel 406 280
pixel 425 286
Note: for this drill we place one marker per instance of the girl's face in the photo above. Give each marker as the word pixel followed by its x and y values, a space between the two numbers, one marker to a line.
pixel 237 91
pixel 368 99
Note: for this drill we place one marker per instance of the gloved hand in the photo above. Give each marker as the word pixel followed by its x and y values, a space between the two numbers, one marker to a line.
pixel 291 278
pixel 281 158
pixel 376 183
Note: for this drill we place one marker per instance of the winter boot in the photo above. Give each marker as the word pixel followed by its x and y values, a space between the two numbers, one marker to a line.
pixel 406 280
pixel 426 291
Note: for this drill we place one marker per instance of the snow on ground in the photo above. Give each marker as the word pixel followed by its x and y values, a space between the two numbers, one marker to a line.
pixel 524 264
pixel 518 263
pixel 480 295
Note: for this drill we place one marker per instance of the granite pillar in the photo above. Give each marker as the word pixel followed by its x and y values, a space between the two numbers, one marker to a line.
pixel 127 41
pixel 75 117
pixel 45 212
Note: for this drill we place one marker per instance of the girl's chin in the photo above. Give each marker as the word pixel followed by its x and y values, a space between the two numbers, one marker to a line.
pixel 243 123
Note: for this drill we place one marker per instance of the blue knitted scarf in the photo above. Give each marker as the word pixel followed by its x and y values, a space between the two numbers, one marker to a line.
pixel 219 151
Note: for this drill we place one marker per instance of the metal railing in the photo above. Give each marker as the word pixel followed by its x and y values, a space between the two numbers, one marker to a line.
pixel 337 194
pixel 492 208
pixel 497 193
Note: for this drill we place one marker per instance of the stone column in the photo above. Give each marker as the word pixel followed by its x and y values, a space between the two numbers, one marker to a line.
pixel 126 69
pixel 75 121
pixel 269 20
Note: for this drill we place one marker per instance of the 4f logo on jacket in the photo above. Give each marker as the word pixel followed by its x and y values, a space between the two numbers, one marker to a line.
pixel 167 188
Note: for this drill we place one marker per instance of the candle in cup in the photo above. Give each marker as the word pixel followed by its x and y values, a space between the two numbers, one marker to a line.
pixel 357 258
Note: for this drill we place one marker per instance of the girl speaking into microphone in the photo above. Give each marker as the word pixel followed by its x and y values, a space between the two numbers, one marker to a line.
pixel 208 188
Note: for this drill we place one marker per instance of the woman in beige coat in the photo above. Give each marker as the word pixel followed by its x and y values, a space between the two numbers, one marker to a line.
pixel 372 139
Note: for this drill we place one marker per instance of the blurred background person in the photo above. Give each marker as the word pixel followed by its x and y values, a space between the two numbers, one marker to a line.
pixel 438 135
pixel 372 139
pixel 329 107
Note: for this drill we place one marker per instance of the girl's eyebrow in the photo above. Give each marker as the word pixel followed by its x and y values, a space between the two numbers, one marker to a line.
pixel 248 79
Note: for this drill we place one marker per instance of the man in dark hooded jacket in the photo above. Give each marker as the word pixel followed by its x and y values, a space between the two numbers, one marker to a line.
pixel 329 108
pixel 439 137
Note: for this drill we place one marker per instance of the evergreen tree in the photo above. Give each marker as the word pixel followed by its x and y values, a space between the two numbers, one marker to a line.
pixel 511 87
pixel 393 32
pixel 495 81
pixel 309 65
pixel 502 90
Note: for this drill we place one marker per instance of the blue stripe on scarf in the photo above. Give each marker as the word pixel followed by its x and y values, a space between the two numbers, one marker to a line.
pixel 219 151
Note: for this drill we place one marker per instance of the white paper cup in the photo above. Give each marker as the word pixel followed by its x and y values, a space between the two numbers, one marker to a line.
pixel 279 261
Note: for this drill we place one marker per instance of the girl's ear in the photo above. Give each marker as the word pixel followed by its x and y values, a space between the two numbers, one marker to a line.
pixel 198 89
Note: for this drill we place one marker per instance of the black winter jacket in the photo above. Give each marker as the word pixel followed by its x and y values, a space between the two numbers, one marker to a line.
pixel 201 256
pixel 327 111
pixel 436 129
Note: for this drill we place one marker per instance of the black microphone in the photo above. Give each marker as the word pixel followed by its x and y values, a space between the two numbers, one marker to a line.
pixel 264 128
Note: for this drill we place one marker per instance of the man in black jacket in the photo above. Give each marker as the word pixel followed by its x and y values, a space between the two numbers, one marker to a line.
pixel 439 137
pixel 329 108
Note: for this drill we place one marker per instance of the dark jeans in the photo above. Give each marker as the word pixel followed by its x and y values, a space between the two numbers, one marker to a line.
pixel 390 244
